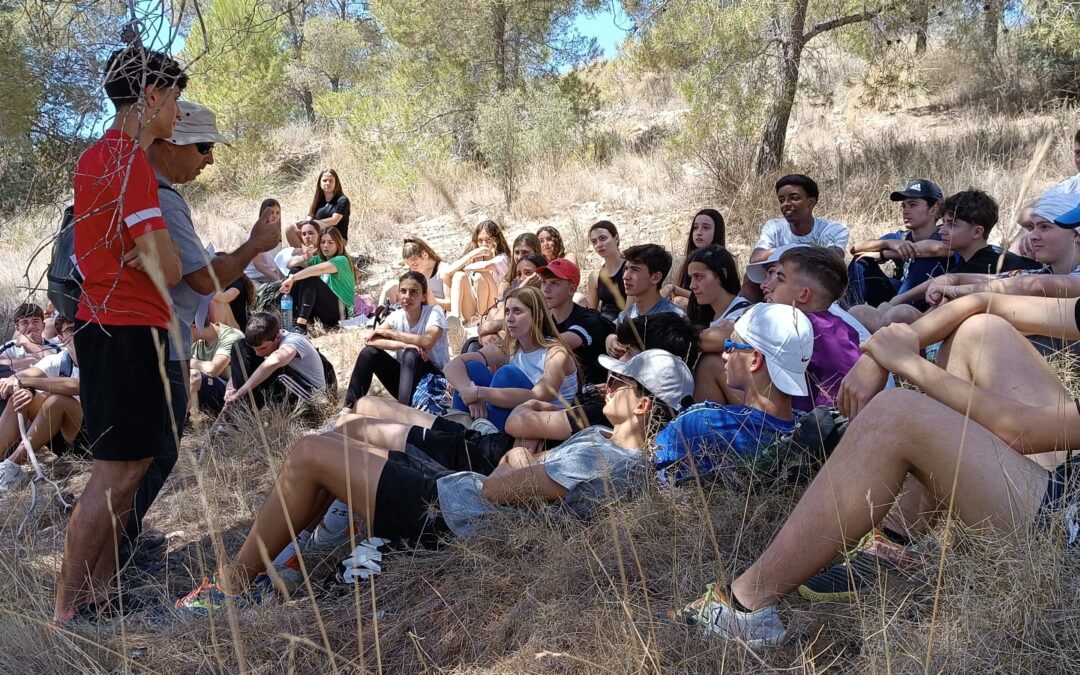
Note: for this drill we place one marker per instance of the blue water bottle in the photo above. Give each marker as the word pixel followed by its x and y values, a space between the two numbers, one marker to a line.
pixel 286 312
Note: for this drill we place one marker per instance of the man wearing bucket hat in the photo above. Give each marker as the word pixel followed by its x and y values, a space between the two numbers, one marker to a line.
pixel 766 360
pixel 176 160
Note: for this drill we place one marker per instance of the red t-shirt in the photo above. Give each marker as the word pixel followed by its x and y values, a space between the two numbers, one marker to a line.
pixel 116 201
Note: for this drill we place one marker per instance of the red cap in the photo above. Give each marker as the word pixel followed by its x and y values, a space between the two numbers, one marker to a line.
pixel 561 268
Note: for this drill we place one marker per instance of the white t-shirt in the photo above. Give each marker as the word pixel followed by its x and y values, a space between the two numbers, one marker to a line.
pixel 737 308
pixel 777 232
pixel 430 315
pixel 51 364
pixel 837 310
pixel 10 350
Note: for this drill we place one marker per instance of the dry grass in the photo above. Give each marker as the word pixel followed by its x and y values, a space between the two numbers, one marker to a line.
pixel 547 594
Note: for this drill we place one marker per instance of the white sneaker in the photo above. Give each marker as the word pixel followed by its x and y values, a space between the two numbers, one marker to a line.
pixel 455 333
pixel 716 614
pixel 484 426
pixel 12 476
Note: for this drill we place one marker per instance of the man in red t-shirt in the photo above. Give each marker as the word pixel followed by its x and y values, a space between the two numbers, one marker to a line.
pixel 128 263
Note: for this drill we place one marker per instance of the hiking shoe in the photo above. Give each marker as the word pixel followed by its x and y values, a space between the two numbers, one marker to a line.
pixel 875 553
pixel 717 615
pixel 484 426
pixel 12 476
pixel 455 333
pixel 209 598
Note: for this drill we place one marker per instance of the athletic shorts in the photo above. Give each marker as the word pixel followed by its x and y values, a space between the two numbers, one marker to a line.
pixel 459 448
pixel 406 501
pixel 122 390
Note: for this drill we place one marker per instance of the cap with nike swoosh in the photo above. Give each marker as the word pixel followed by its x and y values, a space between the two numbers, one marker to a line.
pixel 786 337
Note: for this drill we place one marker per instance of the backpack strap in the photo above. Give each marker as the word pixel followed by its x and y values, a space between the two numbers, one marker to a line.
pixel 67 364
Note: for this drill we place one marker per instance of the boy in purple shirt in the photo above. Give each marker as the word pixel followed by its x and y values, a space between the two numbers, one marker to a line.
pixel 811 279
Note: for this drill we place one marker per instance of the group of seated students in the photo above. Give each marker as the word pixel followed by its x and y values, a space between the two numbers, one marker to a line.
pixel 566 405
pixel 581 398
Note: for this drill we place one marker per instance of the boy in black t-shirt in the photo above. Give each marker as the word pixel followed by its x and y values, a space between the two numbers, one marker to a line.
pixel 584 330
pixel 968 217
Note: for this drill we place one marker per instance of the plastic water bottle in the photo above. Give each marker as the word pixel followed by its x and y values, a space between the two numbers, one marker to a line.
pixel 286 312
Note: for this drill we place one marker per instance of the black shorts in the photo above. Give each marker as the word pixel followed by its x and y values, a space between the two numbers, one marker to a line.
pixel 122 389
pixel 406 501
pixel 459 448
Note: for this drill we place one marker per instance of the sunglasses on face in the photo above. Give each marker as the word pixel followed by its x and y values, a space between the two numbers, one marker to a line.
pixel 614 382
pixel 204 148
pixel 731 346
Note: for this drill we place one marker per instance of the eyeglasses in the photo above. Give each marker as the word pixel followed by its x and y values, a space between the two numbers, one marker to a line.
pixel 204 148
pixel 614 382
pixel 730 346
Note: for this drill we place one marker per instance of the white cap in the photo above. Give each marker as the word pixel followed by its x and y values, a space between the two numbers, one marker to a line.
pixel 197 124
pixel 756 271
pixel 665 375
pixel 786 337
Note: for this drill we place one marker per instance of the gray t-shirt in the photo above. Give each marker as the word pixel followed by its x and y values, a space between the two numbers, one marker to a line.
pixel 430 315
pixel 193 257
pixel 307 363
pixel 664 305
pixel 591 468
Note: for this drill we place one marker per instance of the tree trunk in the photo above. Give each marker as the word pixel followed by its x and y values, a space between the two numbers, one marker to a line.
pixel 991 24
pixel 308 102
pixel 922 25
pixel 771 149
pixel 499 38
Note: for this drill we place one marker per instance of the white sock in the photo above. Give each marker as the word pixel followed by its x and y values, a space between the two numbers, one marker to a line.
pixel 290 550
pixel 337 517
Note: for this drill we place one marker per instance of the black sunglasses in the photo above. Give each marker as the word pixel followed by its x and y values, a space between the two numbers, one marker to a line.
pixel 204 148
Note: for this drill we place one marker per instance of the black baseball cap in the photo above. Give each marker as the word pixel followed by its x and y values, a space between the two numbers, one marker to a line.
pixel 919 188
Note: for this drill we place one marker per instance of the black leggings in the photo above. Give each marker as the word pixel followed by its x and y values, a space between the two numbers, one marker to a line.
pixel 315 300
pixel 399 377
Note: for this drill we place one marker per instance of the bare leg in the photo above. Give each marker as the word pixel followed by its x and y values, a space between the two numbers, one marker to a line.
pixel 380 433
pixel 900 314
pixel 857 485
pixel 95 528
pixel 487 292
pixel 388 409
pixel 9 423
pixel 57 414
pixel 868 316
pixel 328 461
pixel 290 235
pixel 462 296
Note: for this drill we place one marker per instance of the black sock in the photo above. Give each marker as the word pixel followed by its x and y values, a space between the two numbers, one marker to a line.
pixel 735 601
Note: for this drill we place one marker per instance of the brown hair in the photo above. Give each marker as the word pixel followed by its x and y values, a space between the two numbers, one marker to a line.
pixel 413 247
pixel 823 266
pixel 317 199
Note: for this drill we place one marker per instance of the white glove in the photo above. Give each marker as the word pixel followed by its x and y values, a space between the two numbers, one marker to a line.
pixel 365 561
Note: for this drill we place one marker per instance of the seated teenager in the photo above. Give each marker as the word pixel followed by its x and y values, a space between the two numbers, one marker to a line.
pixel 1055 242
pixel 812 279
pixel 211 356
pixel 797 196
pixel 714 306
pixel 535 421
pixel 706 229
pixel 994 481
pixel 415 497
pixel 917 250
pixel 533 364
pixel 28 345
pixel 270 364
pixel 525 245
pixel 766 359
pixel 415 333
pixel 326 288
pixel 605 289
pixel 420 257
pixel 552 246
pixel 294 258
pixel 474 278
pixel 967 218
pixel 646 268
pixel 47 395
pixel 583 330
